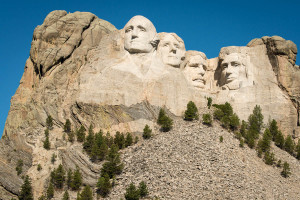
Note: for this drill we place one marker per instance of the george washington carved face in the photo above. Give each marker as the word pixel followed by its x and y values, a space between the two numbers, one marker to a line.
pixel 139 35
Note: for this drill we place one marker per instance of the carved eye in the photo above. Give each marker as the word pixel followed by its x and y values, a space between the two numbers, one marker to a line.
pixel 224 66
pixel 128 30
pixel 235 64
pixel 165 44
pixel 142 29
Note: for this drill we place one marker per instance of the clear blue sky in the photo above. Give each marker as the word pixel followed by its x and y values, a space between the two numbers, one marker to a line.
pixel 203 25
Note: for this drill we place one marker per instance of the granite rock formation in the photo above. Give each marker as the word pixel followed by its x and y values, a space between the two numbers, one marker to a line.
pixel 83 69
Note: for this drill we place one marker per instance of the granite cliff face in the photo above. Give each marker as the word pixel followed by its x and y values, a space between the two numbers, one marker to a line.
pixel 83 69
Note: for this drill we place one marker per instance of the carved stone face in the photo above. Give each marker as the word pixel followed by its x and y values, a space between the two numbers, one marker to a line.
pixel 233 71
pixel 139 35
pixel 195 70
pixel 171 50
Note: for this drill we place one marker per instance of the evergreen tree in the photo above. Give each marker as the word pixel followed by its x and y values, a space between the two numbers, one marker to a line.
pixel 143 190
pixel 88 144
pixel 47 143
pixel 209 102
pixel 167 124
pixel 289 145
pixel 46 132
pixel 109 140
pixel 128 140
pixel 161 114
pixel 69 178
pixel 53 158
pixel 273 129
pixel 286 171
pixel 80 133
pixel 66 195
pixel 87 193
pixel 132 193
pixel 49 122
pixel 243 128
pixel 42 197
pixel 67 126
pixel 249 139
pixel 255 121
pixel 113 166
pixel 119 140
pixel 19 167
pixel 279 140
pixel 298 150
pixel 147 132
pixel 207 119
pixel 104 186
pixel 50 191
pixel 269 158
pixel 26 190
pixel 59 177
pixel 191 112
pixel 76 180
pixel 234 121
pixel 265 143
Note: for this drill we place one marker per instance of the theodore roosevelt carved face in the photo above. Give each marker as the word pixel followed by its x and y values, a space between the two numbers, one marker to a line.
pixel 234 72
pixel 140 35
pixel 171 48
pixel 195 69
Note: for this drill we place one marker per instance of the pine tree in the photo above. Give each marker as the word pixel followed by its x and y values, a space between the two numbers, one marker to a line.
pixel 269 158
pixel 161 114
pixel 234 121
pixel 119 140
pixel 19 167
pixel 67 126
pixel 47 143
pixel 147 132
pixel 128 140
pixel 286 171
pixel 243 128
pixel 59 177
pixel 143 190
pixel 26 190
pixel 273 129
pixel 265 143
pixel 166 123
pixel 88 144
pixel 76 180
pixel 206 118
pixel 69 178
pixel 209 102
pixel 46 132
pixel 255 121
pixel 49 122
pixel 298 150
pixel 66 195
pixel 53 158
pixel 113 166
pixel 279 140
pixel 191 112
pixel 289 145
pixel 80 133
pixel 50 191
pixel 71 136
pixel 104 186
pixel 132 193
pixel 87 193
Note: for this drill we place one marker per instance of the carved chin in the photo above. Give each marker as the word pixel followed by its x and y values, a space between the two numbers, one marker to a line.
pixel 234 85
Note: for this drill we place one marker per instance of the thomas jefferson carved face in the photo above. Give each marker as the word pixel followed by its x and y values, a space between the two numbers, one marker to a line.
pixel 233 71
pixel 140 35
pixel 171 49
pixel 195 70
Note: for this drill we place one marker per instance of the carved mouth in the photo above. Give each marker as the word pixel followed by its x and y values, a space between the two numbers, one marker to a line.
pixel 200 80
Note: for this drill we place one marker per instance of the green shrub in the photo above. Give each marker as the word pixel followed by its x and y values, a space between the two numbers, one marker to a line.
pixel 104 186
pixel 19 167
pixel 128 140
pixel 67 126
pixel 119 140
pixel 147 132
pixel 53 158
pixel 49 122
pixel 279 140
pixel 234 121
pixel 269 158
pixel 132 193
pixel 286 171
pixel 265 143
pixel 221 139
pixel 289 145
pixel 46 143
pixel 255 121
pixel 113 166
pixel 76 180
pixel 66 196
pixel 209 102
pixel 191 112
pixel 298 150
pixel 80 133
pixel 207 119
pixel 273 129
pixel 26 192
pixel 241 143
pixel 50 191
pixel 165 121
pixel 86 194
pixel 39 167
pixel 143 190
